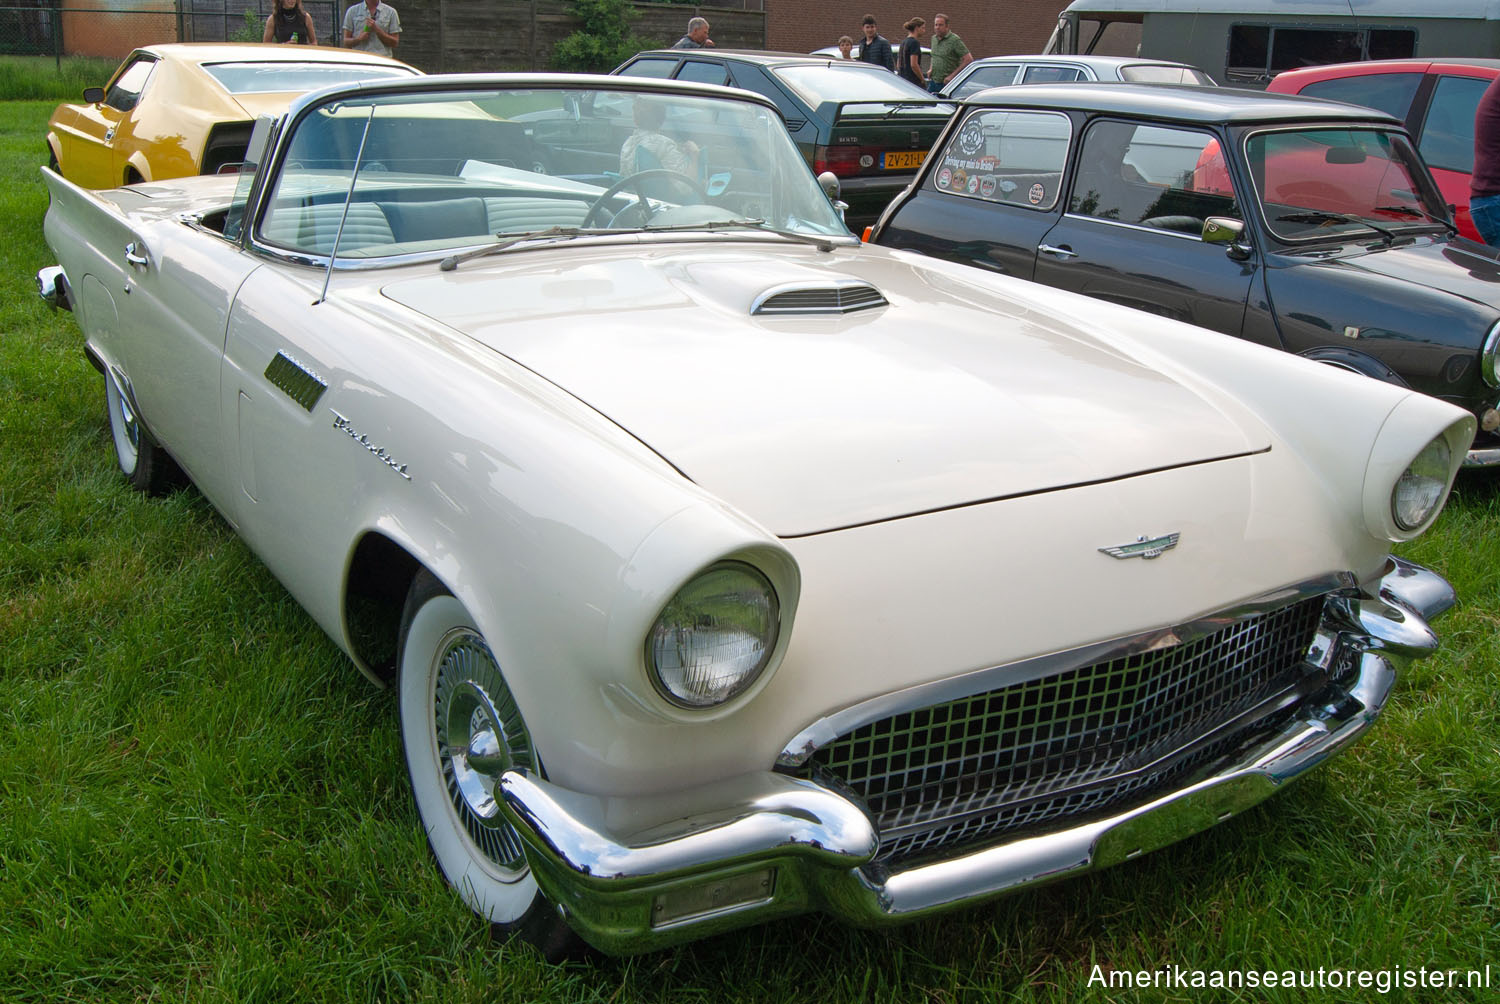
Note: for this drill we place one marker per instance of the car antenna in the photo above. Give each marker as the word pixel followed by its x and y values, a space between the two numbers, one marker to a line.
pixel 348 198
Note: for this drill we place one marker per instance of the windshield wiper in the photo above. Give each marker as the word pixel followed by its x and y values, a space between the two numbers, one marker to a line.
pixel 757 226
pixel 452 262
pixel 1419 211
pixel 1316 216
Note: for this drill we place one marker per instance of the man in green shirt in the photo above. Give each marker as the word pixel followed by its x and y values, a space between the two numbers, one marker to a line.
pixel 949 54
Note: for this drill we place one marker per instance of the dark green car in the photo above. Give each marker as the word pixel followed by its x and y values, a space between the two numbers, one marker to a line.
pixel 864 124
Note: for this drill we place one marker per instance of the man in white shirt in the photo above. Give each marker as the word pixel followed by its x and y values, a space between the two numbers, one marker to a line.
pixel 372 26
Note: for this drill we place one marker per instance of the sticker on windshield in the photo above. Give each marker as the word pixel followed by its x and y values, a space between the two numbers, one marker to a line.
pixel 973 184
pixel 971 138
pixel 1036 194
pixel 945 178
pixel 987 186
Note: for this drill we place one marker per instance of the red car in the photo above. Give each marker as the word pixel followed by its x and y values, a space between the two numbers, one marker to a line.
pixel 1436 99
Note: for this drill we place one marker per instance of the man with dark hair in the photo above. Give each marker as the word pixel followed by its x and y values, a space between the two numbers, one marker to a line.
pixel 876 49
pixel 1484 182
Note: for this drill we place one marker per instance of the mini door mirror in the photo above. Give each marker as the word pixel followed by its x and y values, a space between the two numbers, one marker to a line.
pixel 1222 230
pixel 93 95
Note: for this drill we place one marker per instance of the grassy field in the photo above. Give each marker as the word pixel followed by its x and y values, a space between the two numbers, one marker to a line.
pixel 202 800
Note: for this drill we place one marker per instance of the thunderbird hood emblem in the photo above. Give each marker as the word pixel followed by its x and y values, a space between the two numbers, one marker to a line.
pixel 1144 547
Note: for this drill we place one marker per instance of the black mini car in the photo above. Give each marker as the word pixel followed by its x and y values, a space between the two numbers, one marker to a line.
pixel 1308 225
pixel 864 124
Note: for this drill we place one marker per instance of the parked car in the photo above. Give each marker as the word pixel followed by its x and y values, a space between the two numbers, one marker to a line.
pixel 727 568
pixel 1311 226
pixel 1435 99
pixel 1003 71
pixel 174 110
pixel 868 127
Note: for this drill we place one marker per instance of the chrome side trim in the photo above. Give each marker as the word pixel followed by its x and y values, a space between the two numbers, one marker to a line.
pixel 1135 226
pixel 774 846
pixel 826 729
pixel 1483 457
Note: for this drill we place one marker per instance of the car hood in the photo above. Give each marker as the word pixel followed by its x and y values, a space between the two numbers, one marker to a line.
pixel 1448 266
pixel 952 393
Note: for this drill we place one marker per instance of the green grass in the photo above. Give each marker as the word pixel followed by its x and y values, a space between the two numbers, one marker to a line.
pixel 202 800
pixel 30 78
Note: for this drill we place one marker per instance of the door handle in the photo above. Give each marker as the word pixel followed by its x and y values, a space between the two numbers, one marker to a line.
pixel 135 255
pixel 1057 252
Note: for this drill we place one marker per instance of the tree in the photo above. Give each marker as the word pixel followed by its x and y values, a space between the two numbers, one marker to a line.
pixel 604 42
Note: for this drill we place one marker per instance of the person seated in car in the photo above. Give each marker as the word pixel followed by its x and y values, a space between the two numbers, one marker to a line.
pixel 663 150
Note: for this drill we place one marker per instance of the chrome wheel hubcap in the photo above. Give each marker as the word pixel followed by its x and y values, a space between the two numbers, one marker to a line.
pixel 480 735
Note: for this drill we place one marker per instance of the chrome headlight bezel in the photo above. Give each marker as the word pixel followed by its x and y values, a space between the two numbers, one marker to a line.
pixel 1489 356
pixel 674 683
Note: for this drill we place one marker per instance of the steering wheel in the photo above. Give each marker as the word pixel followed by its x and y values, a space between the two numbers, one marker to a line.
pixel 596 207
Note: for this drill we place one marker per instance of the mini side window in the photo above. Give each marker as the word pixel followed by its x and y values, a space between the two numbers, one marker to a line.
pixel 1152 176
pixel 1012 157
pixel 986 76
pixel 1448 134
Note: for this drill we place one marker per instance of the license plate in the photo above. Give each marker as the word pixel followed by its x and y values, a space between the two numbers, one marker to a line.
pixel 899 161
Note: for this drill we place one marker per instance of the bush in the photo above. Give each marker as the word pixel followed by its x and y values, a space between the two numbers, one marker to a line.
pixel 254 29
pixel 605 40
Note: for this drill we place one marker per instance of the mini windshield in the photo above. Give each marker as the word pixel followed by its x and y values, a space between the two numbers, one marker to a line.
pixel 264 78
pixel 1341 182
pixel 431 170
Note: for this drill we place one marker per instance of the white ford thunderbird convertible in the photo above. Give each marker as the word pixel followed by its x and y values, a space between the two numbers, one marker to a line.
pixel 727 568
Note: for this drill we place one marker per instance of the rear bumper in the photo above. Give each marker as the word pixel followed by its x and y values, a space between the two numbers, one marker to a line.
pixel 768 845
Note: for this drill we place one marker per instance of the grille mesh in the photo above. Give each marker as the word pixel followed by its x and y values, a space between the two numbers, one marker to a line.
pixel 1063 745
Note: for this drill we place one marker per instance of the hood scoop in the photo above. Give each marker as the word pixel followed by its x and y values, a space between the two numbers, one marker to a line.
pixel 818 296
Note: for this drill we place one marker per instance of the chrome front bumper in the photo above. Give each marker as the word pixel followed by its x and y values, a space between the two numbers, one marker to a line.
pixel 774 845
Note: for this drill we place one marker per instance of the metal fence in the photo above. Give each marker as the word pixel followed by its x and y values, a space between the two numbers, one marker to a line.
pixel 110 29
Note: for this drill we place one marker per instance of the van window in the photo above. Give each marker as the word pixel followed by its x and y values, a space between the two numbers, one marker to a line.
pixel 1258 52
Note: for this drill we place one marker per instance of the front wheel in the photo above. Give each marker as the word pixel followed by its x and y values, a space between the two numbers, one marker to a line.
pixel 461 730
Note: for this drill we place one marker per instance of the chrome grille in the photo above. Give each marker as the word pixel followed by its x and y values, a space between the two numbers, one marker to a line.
pixel 838 298
pixel 1065 745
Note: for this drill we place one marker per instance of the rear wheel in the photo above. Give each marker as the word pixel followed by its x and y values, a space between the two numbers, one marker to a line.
pixel 460 730
pixel 144 463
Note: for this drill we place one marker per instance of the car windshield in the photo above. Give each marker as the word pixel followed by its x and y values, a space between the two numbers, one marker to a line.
pixel 819 83
pixel 1340 182
pixel 261 78
pixel 426 171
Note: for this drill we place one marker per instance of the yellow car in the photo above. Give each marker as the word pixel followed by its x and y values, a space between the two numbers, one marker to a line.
pixel 181 109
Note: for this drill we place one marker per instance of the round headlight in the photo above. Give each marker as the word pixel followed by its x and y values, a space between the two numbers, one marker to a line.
pixel 715 636
pixel 1420 488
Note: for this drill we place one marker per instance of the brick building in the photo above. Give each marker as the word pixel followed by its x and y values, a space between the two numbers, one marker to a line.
pixel 994 28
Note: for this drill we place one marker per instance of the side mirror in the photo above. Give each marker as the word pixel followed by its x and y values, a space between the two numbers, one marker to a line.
pixel 1228 231
pixel 93 95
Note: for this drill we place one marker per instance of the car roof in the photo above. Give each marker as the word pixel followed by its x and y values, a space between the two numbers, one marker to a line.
pixel 1174 101
pixel 1328 70
pixel 758 56
pixel 1098 62
pixel 231 52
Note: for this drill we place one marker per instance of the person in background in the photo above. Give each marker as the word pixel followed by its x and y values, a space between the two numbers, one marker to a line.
pixel 650 118
pixel 1484 182
pixel 289 21
pixel 696 37
pixel 909 62
pixel 949 54
pixel 876 48
pixel 372 26
pixel 846 47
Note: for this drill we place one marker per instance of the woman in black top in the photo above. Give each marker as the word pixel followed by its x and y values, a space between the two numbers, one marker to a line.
pixel 909 61
pixel 289 20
